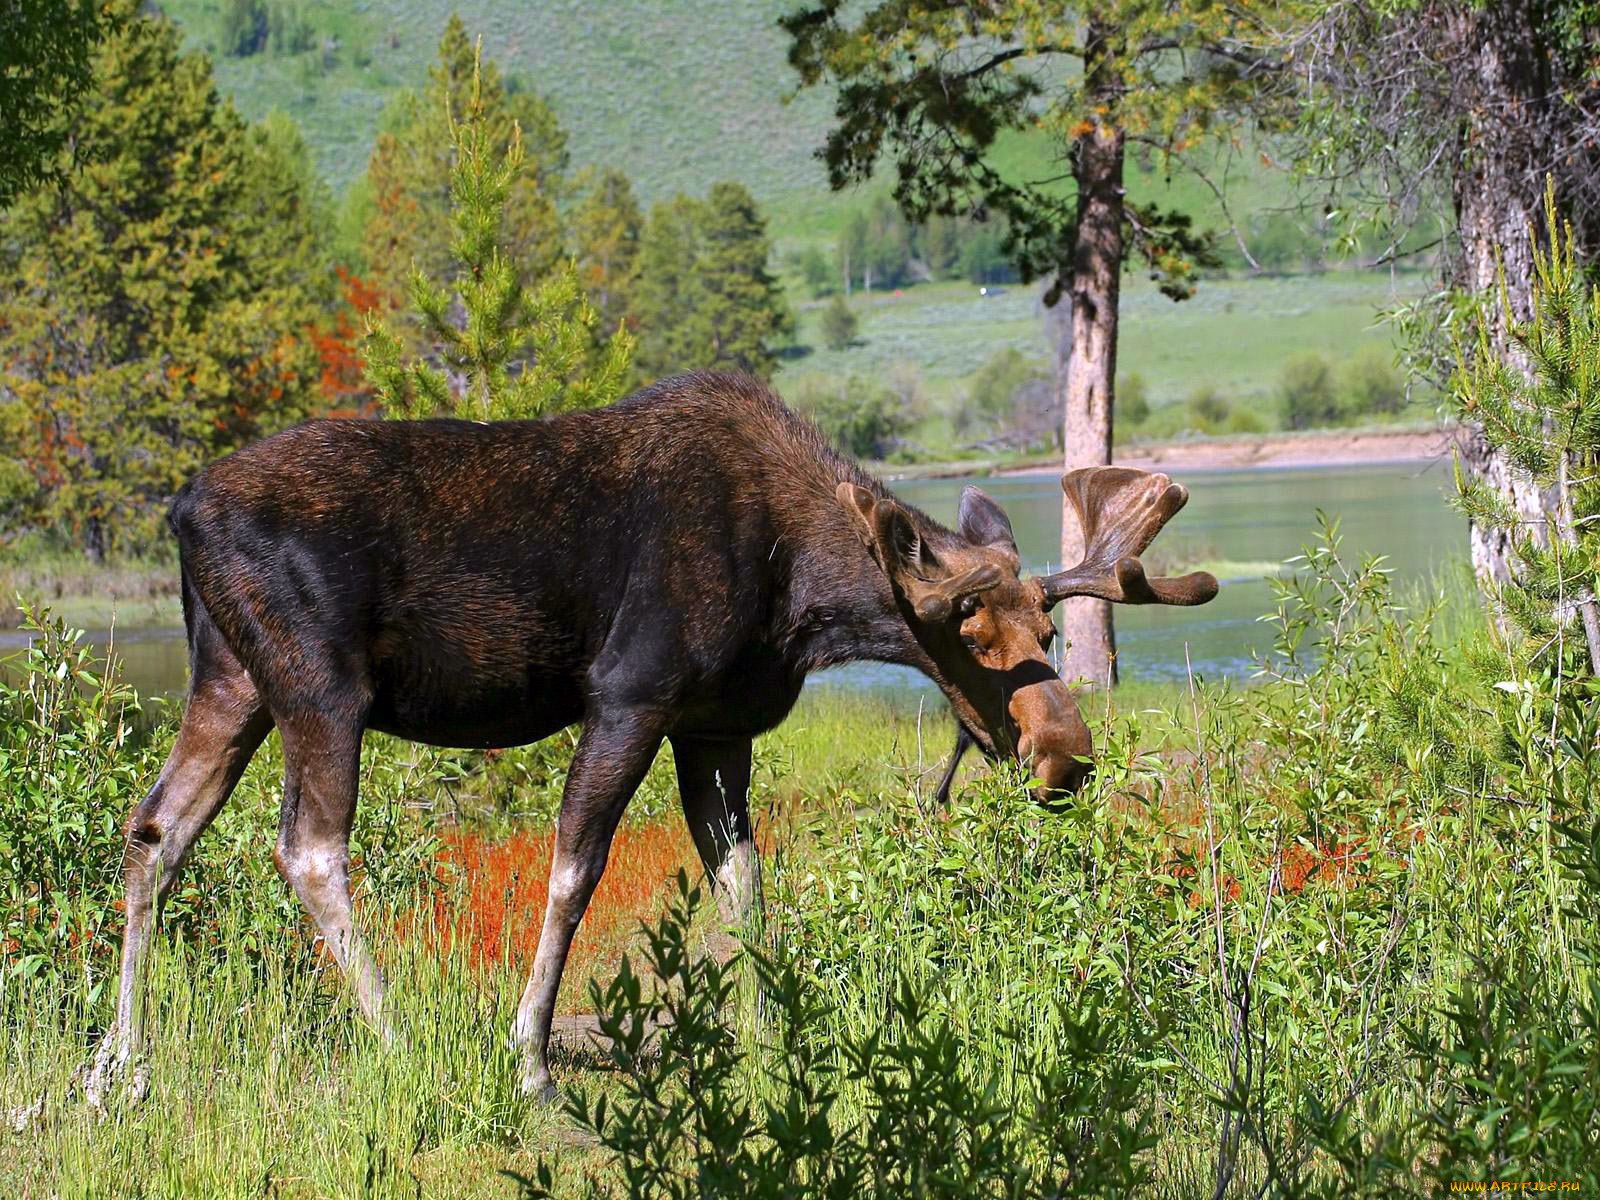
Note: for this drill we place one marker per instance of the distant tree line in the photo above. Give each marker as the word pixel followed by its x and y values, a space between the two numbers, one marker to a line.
pixel 879 248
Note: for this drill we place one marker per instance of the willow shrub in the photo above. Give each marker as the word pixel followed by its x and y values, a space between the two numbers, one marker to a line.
pixel 78 749
pixel 1337 938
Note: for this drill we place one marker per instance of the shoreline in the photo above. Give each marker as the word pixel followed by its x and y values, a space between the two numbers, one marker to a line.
pixel 1273 451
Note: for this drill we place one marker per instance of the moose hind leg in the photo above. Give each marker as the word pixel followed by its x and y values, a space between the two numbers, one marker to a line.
pixel 322 760
pixel 223 724
pixel 608 766
pixel 714 783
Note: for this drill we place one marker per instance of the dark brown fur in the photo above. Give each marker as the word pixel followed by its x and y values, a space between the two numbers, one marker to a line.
pixel 672 566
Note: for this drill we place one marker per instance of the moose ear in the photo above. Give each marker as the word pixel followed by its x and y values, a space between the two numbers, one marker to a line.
pixel 860 504
pixel 983 522
pixel 886 529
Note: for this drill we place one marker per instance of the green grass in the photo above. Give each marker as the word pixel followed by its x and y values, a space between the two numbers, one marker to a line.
pixel 1383 840
pixel 1234 336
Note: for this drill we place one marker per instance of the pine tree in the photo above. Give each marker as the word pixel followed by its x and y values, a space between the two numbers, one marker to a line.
pixel 606 225
pixel 668 292
pixel 746 309
pixel 409 173
pixel 1539 408
pixel 151 315
pixel 498 348
pixel 934 86
pixel 705 296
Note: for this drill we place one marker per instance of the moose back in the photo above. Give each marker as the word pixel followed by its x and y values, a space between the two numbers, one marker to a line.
pixel 669 567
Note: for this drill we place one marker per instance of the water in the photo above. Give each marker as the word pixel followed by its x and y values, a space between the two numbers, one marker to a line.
pixel 1240 516
pixel 1259 516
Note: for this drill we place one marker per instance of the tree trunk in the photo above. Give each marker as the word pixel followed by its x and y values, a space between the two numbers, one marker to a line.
pixel 1497 193
pixel 1092 367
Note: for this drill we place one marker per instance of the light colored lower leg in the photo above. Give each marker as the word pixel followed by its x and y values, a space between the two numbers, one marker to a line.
pixel 738 882
pixel 207 759
pixel 320 877
pixel 571 886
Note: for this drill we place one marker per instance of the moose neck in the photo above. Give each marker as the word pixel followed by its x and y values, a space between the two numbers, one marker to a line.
pixel 838 606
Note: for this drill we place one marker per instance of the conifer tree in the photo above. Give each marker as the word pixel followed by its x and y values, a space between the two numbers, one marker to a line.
pixel 409 174
pixel 498 346
pixel 705 296
pixel 151 315
pixel 606 225
pixel 1539 408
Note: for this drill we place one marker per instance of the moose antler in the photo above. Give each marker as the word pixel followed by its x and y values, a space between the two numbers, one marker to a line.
pixel 1121 509
pixel 935 599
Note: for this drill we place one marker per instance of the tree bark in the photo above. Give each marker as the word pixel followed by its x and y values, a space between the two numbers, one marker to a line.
pixel 1498 190
pixel 1091 369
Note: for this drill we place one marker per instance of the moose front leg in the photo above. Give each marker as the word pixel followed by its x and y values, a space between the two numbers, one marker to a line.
pixel 611 760
pixel 964 742
pixel 714 782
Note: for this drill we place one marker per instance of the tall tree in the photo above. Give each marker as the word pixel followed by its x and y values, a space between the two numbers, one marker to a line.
pixel 933 85
pixel 46 48
pixel 497 346
pixel 606 225
pixel 151 314
pixel 409 174
pixel 705 297
pixel 1439 121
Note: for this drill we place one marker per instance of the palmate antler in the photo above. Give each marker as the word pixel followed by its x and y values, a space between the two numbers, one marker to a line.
pixel 1121 509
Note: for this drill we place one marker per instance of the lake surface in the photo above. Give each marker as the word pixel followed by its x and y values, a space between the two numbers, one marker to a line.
pixel 1259 516
pixel 1255 516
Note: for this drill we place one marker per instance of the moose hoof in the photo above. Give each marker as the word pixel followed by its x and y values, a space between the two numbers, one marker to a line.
pixel 539 1088
pixel 115 1075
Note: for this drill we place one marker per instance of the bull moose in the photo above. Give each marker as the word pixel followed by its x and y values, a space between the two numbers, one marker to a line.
pixel 669 567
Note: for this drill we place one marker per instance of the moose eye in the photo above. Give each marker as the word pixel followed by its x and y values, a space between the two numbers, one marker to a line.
pixel 968 606
pixel 971 643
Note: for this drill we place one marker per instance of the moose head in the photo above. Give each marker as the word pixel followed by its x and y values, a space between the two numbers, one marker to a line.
pixel 985 628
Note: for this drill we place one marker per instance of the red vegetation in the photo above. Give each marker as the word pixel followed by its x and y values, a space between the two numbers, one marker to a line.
pixel 344 387
pixel 1298 867
pixel 500 907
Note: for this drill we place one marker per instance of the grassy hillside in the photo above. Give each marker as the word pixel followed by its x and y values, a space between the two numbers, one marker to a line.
pixel 677 95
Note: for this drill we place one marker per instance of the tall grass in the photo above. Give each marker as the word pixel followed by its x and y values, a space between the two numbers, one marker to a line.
pixel 1345 928
pixel 1332 935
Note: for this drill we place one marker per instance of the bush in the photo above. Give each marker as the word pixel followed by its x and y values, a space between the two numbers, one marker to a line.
pixel 818 273
pixel 1010 398
pixel 1370 385
pixel 858 418
pixel 1281 242
pixel 1243 420
pixel 245 27
pixel 1133 401
pixel 1306 389
pixel 74 761
pixel 839 324
pixel 898 1108
pixel 1210 409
